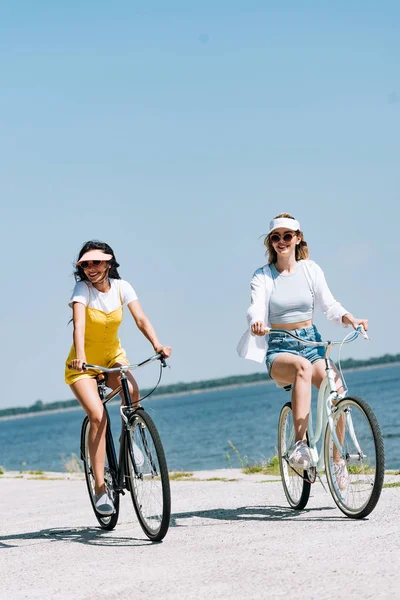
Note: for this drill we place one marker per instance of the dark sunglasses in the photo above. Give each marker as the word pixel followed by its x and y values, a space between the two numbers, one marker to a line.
pixel 85 263
pixel 286 237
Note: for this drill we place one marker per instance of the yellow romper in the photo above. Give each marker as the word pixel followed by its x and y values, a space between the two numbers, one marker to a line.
pixel 102 344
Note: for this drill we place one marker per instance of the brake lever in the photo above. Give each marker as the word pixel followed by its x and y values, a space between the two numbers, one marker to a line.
pixel 364 334
pixel 164 363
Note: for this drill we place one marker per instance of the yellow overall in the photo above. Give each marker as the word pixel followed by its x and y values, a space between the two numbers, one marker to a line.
pixel 102 345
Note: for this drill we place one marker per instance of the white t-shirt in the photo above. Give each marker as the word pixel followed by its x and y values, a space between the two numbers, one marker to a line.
pixel 105 301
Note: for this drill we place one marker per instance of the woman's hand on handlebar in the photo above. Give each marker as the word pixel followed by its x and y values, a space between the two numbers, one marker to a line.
pixel 77 364
pixel 350 320
pixel 362 322
pixel 165 351
pixel 258 328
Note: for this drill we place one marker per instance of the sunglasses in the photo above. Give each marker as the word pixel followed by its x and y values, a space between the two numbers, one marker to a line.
pixel 85 263
pixel 286 237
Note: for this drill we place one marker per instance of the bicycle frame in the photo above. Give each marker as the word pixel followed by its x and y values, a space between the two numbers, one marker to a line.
pixel 117 467
pixel 327 395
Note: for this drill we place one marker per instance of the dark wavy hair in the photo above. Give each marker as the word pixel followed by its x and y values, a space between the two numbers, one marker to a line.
pixel 79 273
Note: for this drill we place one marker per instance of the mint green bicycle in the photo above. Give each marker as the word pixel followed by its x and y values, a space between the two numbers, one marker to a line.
pixel 352 453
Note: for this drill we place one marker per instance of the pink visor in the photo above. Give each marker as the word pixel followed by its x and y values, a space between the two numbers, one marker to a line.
pixel 94 255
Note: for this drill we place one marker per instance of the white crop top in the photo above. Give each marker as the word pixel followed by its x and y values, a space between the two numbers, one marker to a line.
pixel 292 299
pixel 105 301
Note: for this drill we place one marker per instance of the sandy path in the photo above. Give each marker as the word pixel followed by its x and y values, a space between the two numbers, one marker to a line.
pixel 226 540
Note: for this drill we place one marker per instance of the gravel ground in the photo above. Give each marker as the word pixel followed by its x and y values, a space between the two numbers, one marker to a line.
pixel 228 539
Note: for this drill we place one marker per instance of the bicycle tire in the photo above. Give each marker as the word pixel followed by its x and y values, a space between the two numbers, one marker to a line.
pixel 296 488
pixel 358 491
pixel 148 475
pixel 105 522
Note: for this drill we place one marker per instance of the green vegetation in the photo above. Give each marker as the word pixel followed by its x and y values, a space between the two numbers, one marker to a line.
pixel 180 476
pixel 360 469
pixel 2 470
pixel 73 464
pixel 271 467
pixel 266 467
pixel 38 407
pixel 218 479
pixel 236 451
pixel 188 476
pixel 44 477
pixel 207 384
pixel 392 485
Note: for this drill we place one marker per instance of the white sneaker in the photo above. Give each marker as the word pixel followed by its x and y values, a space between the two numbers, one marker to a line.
pixel 299 456
pixel 341 474
pixel 104 504
pixel 138 455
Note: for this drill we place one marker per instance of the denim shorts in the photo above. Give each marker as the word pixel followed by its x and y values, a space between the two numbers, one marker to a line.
pixel 279 343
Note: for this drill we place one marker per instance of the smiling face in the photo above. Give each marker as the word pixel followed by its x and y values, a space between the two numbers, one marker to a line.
pixel 284 241
pixel 96 271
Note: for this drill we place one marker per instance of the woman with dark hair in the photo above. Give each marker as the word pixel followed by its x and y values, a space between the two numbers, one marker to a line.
pixel 97 307
pixel 284 295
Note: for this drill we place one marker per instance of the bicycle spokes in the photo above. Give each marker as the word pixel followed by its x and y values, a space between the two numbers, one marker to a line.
pixel 295 484
pixel 147 453
pixel 350 426
pixel 355 474
pixel 148 474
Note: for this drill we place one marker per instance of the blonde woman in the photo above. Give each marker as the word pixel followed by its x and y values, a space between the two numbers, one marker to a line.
pixel 284 295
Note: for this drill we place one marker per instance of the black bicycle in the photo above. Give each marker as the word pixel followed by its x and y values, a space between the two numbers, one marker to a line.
pixel 141 467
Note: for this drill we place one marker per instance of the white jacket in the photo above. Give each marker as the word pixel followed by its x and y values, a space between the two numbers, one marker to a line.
pixel 254 347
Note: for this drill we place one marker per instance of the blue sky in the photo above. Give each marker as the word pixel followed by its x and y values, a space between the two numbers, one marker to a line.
pixel 175 132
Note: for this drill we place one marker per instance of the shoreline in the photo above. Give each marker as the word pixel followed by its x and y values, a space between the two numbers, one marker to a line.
pixel 187 392
pixel 227 474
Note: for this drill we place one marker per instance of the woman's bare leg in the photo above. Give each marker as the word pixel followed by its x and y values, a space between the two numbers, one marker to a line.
pixel 85 390
pixel 294 369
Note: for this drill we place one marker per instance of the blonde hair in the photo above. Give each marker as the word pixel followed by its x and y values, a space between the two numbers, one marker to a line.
pixel 302 252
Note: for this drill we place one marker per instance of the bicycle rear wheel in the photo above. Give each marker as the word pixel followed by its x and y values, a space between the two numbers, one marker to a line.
pixel 147 470
pixel 357 487
pixel 105 522
pixel 296 488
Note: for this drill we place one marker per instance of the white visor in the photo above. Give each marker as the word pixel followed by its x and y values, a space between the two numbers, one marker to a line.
pixel 285 223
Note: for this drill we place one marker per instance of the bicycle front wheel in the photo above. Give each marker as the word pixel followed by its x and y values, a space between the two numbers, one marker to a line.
pixel 106 522
pixel 147 470
pixel 296 488
pixel 355 476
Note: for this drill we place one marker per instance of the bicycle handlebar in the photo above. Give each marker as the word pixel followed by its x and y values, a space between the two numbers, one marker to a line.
pixel 123 368
pixel 359 331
